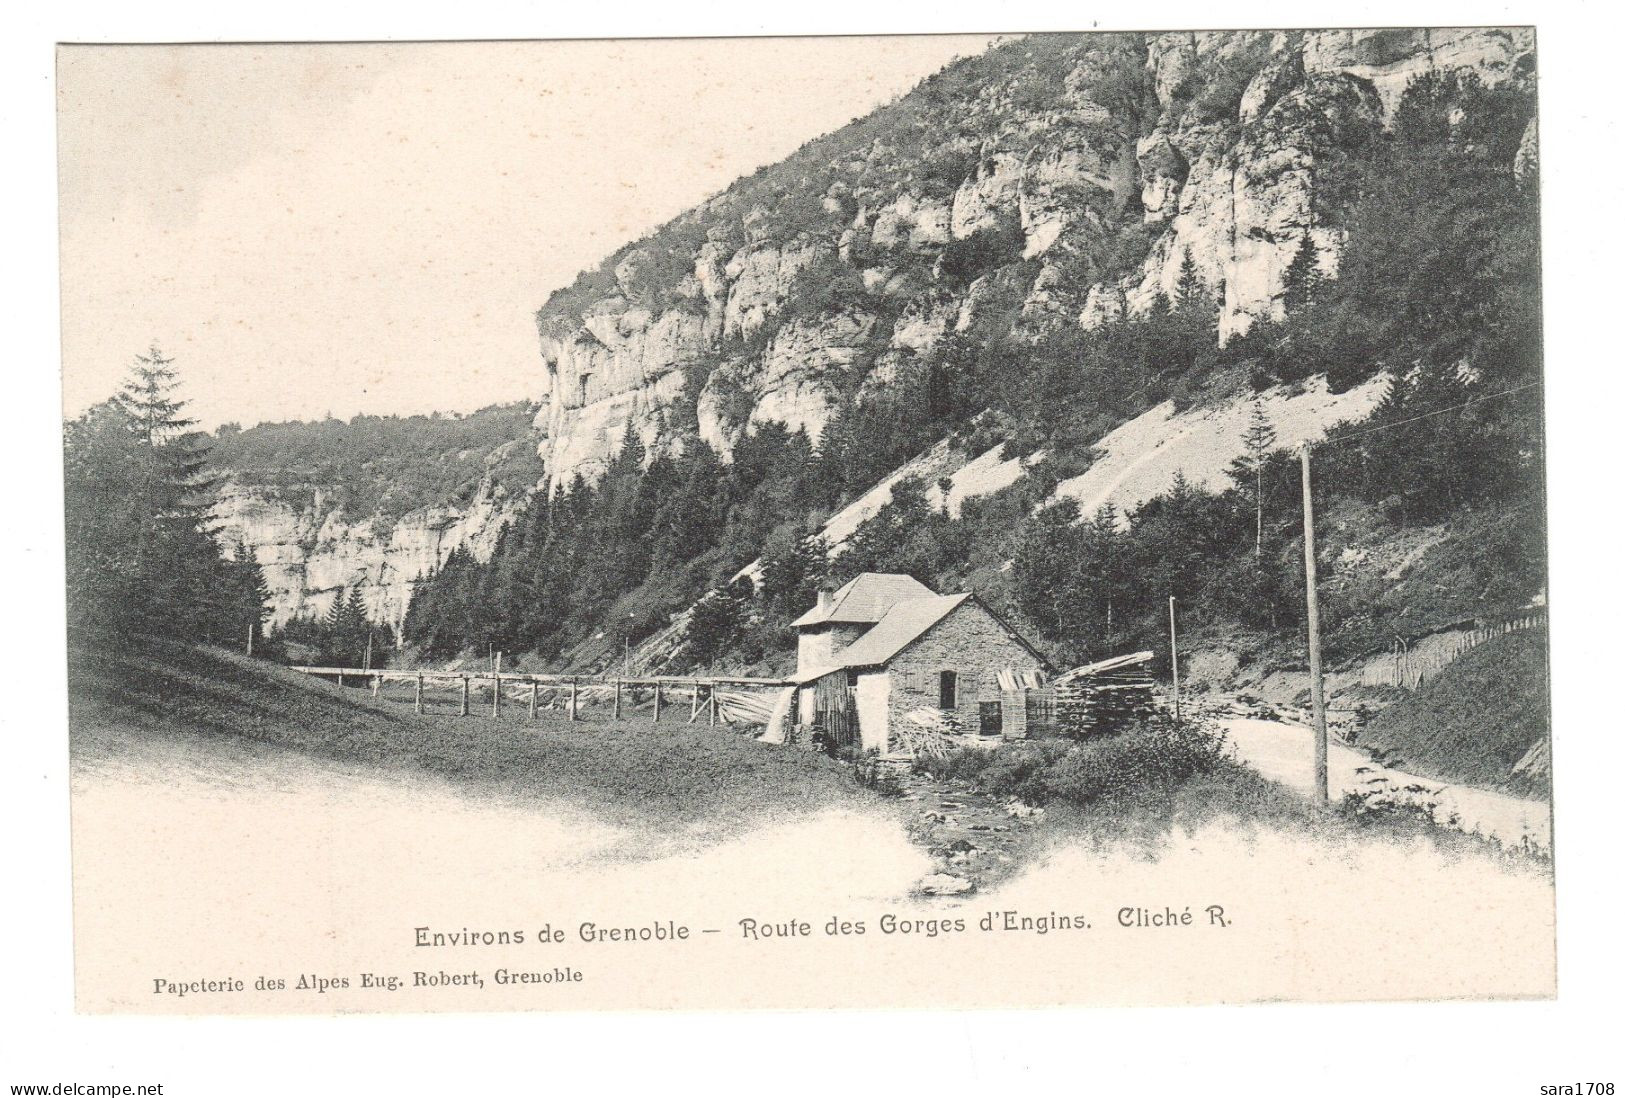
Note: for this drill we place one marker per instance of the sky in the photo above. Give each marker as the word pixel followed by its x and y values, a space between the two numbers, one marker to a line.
pixel 333 229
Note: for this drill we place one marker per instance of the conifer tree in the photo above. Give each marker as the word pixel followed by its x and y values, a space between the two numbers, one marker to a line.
pixel 250 593
pixel 140 556
pixel 1190 291
pixel 1303 278
pixel 359 625
pixel 1259 440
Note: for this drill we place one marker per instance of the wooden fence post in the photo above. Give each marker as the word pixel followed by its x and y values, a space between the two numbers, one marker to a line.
pixel 694 702
pixel 534 687
pixel 712 701
pixel 617 699
pixel 496 694
pixel 657 701
pixel 417 701
pixel 341 678
pixel 377 683
pixel 463 709
pixel 573 699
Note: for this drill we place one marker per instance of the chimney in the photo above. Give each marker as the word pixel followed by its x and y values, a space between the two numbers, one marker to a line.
pixel 826 599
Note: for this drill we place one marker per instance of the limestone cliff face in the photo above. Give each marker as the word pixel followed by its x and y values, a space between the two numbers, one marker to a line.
pixel 1104 160
pixel 310 554
pixel 1235 186
pixel 1057 180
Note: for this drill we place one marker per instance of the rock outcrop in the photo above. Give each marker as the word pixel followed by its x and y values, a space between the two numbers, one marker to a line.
pixel 1107 159
pixel 1057 180
pixel 310 554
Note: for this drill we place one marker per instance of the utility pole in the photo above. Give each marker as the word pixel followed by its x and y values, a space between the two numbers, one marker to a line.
pixel 1317 687
pixel 1173 652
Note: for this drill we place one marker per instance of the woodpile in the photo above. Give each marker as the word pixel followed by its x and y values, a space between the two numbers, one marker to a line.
pixel 1101 699
pixel 926 733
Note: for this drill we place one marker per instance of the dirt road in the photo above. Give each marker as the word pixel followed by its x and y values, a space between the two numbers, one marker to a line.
pixel 1284 753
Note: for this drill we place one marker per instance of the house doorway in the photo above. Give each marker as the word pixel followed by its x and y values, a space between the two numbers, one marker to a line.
pixel 948 690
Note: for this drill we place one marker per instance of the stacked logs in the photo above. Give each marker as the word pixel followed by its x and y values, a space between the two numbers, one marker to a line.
pixel 1104 698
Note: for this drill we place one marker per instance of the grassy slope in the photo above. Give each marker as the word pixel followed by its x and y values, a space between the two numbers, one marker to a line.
pixel 628 770
pixel 1476 718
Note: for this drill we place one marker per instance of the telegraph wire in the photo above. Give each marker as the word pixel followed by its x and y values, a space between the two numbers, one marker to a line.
pixel 1428 415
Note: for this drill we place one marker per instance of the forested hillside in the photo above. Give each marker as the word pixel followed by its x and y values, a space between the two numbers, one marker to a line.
pixel 384 466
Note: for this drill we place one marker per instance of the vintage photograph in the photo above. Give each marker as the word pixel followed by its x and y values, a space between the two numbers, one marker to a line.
pixel 932 521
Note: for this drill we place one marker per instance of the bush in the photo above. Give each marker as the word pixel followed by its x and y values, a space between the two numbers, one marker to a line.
pixel 962 764
pixel 1161 754
pixel 987 249
pixel 1020 769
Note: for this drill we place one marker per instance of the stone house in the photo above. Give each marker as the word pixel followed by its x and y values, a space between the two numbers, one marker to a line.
pixel 884 645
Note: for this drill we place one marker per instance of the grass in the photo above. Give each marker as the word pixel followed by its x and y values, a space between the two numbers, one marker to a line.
pixel 1475 719
pixel 631 770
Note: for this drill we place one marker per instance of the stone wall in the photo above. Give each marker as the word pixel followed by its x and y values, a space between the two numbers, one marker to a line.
pixel 970 642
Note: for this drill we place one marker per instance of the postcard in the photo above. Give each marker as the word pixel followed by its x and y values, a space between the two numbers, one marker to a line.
pixel 939 521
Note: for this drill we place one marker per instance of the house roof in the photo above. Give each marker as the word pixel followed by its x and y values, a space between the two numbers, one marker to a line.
pixel 866 599
pixel 902 625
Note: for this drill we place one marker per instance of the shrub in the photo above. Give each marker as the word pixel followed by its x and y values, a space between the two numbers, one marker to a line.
pixel 988 248
pixel 962 764
pixel 1162 753
pixel 1020 769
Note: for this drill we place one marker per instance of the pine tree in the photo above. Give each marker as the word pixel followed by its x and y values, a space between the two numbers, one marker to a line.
pixel 250 593
pixel 358 627
pixel 1303 278
pixel 713 624
pixel 1111 576
pixel 345 629
pixel 140 555
pixel 334 626
pixel 792 571
pixel 148 396
pixel 1260 442
pixel 1189 291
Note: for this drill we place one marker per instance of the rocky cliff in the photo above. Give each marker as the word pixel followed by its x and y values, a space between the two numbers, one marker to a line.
pixel 373 504
pixel 1068 176
pixel 311 554
pixel 1055 180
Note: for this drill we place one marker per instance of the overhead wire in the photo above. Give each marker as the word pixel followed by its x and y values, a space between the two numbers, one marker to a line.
pixel 1428 415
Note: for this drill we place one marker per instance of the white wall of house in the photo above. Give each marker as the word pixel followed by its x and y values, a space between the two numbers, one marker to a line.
pixel 873 694
pixel 819 646
pixel 812 650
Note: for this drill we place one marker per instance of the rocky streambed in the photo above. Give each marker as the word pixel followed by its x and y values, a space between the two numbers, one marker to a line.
pixel 976 841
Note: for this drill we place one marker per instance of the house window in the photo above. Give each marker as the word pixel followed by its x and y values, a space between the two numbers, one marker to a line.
pixel 947 690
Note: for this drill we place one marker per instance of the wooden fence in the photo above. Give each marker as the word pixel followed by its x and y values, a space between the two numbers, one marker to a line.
pixel 1410 663
pixel 569 693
